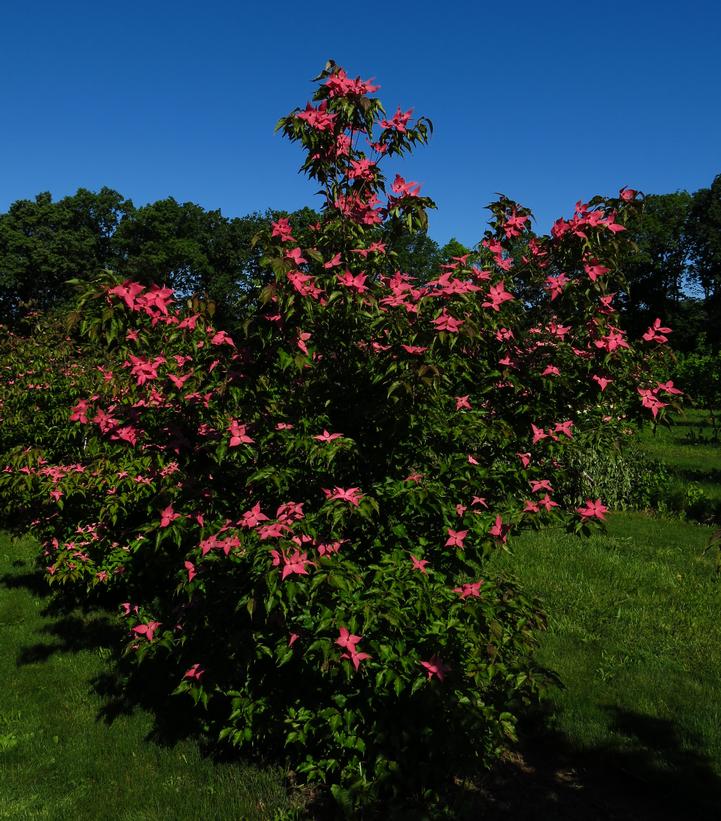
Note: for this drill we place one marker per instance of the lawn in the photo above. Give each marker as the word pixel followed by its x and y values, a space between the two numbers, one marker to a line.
pixel 65 755
pixel 635 636
pixel 693 457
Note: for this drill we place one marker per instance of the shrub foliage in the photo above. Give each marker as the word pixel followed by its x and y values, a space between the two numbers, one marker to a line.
pixel 296 519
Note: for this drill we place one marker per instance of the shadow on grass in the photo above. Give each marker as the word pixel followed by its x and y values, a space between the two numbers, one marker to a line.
pixel 654 775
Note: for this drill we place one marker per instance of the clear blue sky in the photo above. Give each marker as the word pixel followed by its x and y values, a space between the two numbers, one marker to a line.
pixel 547 102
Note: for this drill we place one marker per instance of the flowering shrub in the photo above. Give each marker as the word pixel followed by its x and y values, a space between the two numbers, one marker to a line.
pixel 296 519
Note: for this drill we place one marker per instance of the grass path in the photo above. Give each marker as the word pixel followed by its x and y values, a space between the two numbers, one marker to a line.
pixel 60 760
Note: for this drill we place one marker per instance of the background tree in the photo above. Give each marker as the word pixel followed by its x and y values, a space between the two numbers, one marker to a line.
pixel 44 243
pixel 657 269
pixel 704 236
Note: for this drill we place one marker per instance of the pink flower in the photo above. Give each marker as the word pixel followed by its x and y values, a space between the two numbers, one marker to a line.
pixel 497 295
pixel 540 484
pixel 564 428
pixel 419 564
pixel 351 494
pixel 603 382
pixel 349 642
pixel 538 434
pixel 435 667
pixel 168 516
pixel 595 270
pixel 147 630
pixel 456 537
pixel 238 435
pixel 222 338
pixel 328 437
pixel 295 255
pixel 525 458
pixel 499 530
pixel 473 589
pixel 656 333
pixel 192 572
pixel 399 121
pixel 355 283
pixel 463 403
pixel 253 517
pixel 445 322
pixel 195 672
pixel 296 562
pixel 593 510
pixel 282 230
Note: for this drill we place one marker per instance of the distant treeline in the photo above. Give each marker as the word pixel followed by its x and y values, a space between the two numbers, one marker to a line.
pixel 675 272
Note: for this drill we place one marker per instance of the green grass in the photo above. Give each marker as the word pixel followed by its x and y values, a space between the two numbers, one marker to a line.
pixel 63 756
pixel 635 635
pixel 688 450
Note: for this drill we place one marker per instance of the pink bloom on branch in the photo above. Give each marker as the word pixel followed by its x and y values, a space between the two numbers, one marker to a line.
pixel 399 121
pixel 403 188
pixel 319 118
pixel 282 230
pixel 525 458
pixel 603 382
pixel 340 84
pixel 238 434
pixel 419 564
pixel 595 270
pixel 456 537
pixel 168 516
pixel 195 672
pixel 651 401
pixel 435 667
pixel 668 387
pixel 351 494
pixel 656 333
pixel 295 255
pixel 333 262
pixel 355 283
pixel 192 572
pixel 472 460
pixel 593 510
pixel 472 589
pixel 445 322
pixel 327 437
pixel 147 630
pixel 463 403
pixel 222 338
pixel 349 642
pixel 499 530
pixel 296 562
pixel 564 428
pixel 555 285
pixel 497 295
pixel 538 435
pixel 540 484
pixel 253 517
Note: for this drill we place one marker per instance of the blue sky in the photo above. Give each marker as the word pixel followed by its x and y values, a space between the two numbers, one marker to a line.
pixel 545 102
